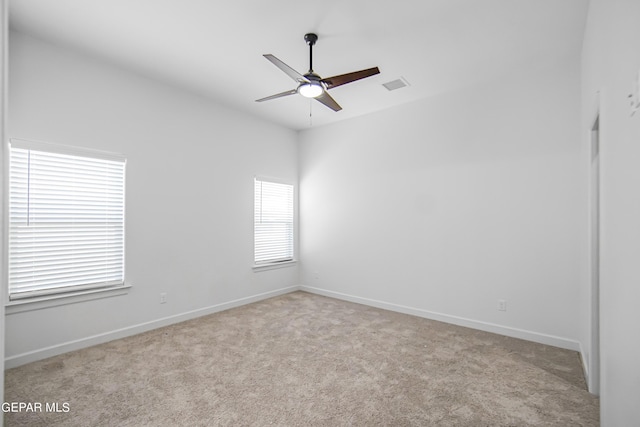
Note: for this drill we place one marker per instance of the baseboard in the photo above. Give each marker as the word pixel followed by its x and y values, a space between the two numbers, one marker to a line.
pixel 455 320
pixel 43 353
pixel 585 365
pixel 593 385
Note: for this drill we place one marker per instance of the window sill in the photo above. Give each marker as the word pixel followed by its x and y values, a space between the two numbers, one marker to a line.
pixel 38 303
pixel 274 265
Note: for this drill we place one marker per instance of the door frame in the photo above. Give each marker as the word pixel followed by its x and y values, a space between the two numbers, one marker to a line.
pixel 595 242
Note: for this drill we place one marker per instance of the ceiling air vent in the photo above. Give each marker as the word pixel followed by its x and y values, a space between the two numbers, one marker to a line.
pixel 396 84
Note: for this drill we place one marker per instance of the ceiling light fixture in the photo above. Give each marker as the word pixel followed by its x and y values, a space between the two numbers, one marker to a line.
pixel 311 89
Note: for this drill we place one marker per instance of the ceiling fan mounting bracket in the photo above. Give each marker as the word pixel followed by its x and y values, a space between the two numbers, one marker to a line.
pixel 311 38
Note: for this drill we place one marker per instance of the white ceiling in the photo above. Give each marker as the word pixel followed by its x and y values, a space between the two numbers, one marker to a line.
pixel 215 48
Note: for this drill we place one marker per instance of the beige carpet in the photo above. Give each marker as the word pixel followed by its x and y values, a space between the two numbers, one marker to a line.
pixel 307 360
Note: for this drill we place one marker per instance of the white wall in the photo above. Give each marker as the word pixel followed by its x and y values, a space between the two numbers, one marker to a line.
pixel 189 192
pixel 611 59
pixel 442 207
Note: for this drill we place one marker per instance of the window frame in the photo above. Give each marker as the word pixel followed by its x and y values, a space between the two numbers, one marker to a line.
pixel 58 296
pixel 274 264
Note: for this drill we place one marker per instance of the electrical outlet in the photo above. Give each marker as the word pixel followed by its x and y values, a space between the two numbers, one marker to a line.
pixel 502 305
pixel 163 297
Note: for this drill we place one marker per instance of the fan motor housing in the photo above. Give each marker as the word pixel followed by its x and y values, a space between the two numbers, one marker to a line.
pixel 313 76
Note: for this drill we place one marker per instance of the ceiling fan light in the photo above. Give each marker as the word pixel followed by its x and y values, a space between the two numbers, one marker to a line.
pixel 310 90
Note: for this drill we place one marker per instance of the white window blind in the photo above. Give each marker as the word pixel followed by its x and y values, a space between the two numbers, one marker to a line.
pixel 273 224
pixel 66 221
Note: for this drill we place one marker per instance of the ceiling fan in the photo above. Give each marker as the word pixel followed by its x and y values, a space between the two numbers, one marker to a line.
pixel 311 85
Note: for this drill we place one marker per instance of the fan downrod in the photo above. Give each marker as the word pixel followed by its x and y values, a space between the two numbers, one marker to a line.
pixel 311 39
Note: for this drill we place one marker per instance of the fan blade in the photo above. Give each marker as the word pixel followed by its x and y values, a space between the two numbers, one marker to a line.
pixel 288 70
pixel 327 100
pixel 342 79
pixel 278 95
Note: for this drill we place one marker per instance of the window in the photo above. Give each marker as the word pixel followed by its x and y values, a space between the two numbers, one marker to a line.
pixel 273 222
pixel 66 219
